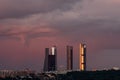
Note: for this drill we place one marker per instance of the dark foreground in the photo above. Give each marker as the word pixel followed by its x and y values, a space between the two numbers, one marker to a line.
pixel 75 75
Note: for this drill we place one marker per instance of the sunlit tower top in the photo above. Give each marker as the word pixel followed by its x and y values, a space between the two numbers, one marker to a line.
pixel 82 56
pixel 53 50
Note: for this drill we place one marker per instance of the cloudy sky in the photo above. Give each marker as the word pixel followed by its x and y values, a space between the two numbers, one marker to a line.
pixel 27 27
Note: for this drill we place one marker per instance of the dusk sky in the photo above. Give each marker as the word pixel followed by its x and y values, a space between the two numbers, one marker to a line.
pixel 27 27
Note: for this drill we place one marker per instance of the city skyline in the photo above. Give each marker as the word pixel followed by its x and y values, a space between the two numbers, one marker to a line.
pixel 27 27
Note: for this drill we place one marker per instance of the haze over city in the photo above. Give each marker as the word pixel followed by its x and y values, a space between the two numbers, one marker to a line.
pixel 27 27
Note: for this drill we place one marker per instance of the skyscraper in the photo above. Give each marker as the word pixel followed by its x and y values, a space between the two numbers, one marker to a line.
pixel 46 59
pixel 69 57
pixel 50 62
pixel 82 55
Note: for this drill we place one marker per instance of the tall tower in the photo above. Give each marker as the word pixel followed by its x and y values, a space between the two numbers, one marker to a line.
pixel 46 59
pixel 82 55
pixel 69 57
pixel 52 60
pixel 50 63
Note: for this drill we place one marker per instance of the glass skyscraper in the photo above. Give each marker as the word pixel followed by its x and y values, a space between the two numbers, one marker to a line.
pixel 50 62
pixel 69 57
pixel 82 57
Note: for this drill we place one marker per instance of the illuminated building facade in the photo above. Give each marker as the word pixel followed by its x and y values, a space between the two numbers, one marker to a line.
pixel 50 63
pixel 69 57
pixel 82 55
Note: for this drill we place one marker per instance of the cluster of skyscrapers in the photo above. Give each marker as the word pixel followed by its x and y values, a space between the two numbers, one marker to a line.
pixel 50 62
